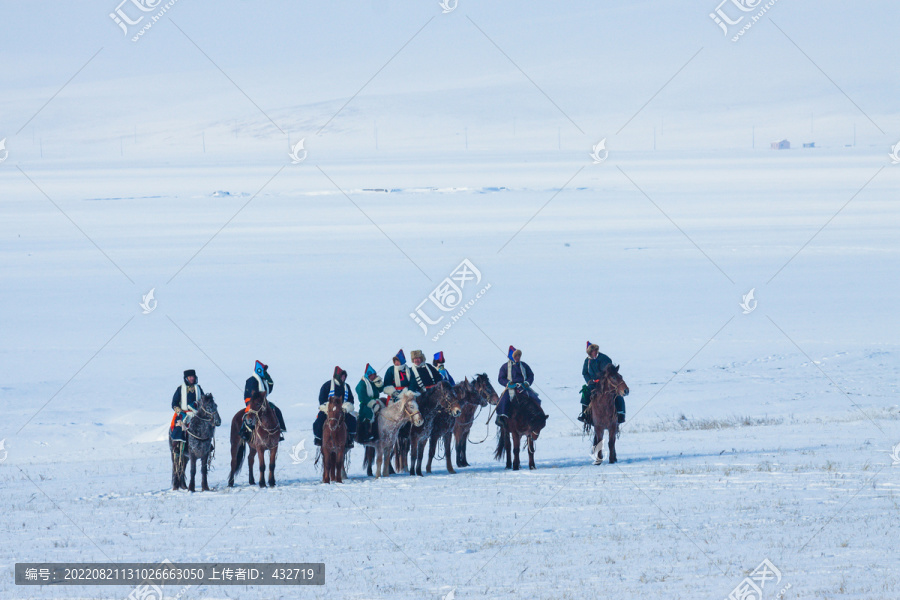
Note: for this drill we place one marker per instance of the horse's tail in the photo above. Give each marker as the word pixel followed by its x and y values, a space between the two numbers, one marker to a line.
pixel 501 447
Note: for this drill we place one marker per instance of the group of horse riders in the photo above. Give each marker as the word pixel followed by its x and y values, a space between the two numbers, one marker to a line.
pixel 515 376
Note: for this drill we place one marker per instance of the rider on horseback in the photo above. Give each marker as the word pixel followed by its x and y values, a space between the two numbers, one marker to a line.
pixel 424 376
pixel 438 362
pixel 336 387
pixel 368 390
pixel 184 402
pixel 517 377
pixel 594 367
pixel 397 378
pixel 260 381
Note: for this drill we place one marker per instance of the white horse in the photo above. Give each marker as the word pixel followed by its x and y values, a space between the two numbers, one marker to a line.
pixel 389 421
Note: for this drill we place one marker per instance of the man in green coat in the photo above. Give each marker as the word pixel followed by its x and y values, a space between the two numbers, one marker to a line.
pixel 368 390
pixel 594 366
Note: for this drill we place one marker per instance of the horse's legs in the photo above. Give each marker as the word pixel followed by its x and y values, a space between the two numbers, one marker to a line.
pixel 251 453
pixel 420 457
pixel 370 455
pixel 339 465
pixel 432 443
pixel 530 443
pixel 447 438
pixel 262 467
pixel 379 456
pixel 517 439
pixel 613 428
pixel 273 453
pixel 204 468
pixel 461 446
pixel 193 460
pixel 413 443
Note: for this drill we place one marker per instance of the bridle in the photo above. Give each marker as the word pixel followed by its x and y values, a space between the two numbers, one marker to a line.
pixel 201 409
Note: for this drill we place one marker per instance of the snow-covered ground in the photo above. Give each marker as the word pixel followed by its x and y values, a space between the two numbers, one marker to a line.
pixel 758 428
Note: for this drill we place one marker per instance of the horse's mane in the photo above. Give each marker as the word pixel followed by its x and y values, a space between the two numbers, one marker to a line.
pixel 530 409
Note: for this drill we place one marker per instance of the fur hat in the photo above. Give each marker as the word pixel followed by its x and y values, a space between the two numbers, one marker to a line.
pixel 339 373
pixel 401 357
pixel 189 373
pixel 416 354
pixel 591 348
pixel 439 358
pixel 516 355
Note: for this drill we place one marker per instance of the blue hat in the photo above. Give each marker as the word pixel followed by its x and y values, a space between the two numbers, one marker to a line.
pixel 511 350
pixel 439 357
pixel 370 370
pixel 260 368
pixel 401 357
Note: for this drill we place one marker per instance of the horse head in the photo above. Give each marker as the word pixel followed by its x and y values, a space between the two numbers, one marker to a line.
pixel 447 399
pixel 411 408
pixel 486 392
pixel 615 380
pixel 209 407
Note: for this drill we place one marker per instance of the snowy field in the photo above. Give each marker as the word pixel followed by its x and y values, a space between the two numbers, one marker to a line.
pixel 763 428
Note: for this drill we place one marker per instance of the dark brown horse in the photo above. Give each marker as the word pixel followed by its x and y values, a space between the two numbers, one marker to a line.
pixel 476 394
pixel 266 433
pixel 603 411
pixel 439 400
pixel 525 419
pixel 334 441
pixel 200 443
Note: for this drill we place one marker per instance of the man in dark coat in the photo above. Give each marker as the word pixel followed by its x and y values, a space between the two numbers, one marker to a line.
pixel 260 381
pixel 423 376
pixel 516 377
pixel 185 401
pixel 336 387
pixel 594 366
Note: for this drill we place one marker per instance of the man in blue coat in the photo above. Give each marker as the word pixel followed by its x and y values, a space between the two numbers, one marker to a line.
pixel 185 401
pixel 516 377
pixel 260 381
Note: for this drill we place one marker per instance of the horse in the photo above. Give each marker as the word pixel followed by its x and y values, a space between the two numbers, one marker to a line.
pixel 200 444
pixel 436 400
pixel 334 441
pixel 265 436
pixel 525 419
pixel 603 411
pixel 389 421
pixel 477 393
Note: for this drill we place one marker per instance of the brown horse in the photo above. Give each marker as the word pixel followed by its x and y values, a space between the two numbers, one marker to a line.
pixel 334 441
pixel 437 400
pixel 265 436
pixel 476 393
pixel 525 419
pixel 603 411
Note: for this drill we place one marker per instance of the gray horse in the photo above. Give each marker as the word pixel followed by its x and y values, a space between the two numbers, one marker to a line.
pixel 200 444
